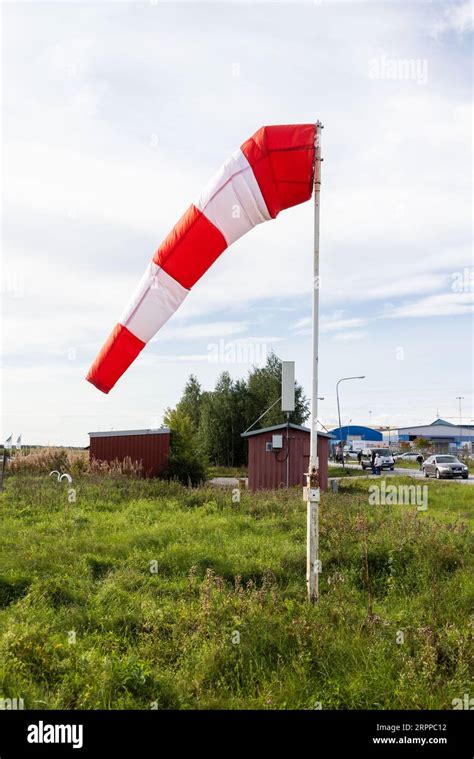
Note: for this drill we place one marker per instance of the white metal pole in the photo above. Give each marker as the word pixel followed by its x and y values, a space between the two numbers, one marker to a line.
pixel 287 449
pixel 312 517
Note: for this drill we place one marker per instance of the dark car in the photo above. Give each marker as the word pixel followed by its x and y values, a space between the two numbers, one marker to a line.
pixel 441 466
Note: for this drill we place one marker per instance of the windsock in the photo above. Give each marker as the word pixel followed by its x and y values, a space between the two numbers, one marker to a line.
pixel 272 170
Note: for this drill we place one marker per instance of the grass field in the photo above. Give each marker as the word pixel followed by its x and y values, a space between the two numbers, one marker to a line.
pixel 406 464
pixel 340 471
pixel 226 471
pixel 144 594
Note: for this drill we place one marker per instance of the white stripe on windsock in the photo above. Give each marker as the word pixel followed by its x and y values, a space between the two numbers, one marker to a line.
pixel 232 199
pixel 156 299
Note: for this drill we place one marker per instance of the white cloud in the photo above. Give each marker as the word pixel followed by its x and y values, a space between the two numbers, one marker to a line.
pixel 333 323
pixel 215 330
pixel 457 17
pixel 303 325
pixel 445 304
pixel 341 324
pixel 351 335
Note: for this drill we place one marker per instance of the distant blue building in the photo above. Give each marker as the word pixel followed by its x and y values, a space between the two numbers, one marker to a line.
pixel 351 432
pixel 441 434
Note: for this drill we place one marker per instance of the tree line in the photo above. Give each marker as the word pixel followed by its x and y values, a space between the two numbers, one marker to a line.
pixel 206 426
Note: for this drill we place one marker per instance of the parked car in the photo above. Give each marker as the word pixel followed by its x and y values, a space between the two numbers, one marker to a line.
pixel 441 466
pixel 350 455
pixel 408 456
pixel 388 462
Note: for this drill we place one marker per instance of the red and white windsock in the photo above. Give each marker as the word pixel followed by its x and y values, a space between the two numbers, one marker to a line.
pixel 273 170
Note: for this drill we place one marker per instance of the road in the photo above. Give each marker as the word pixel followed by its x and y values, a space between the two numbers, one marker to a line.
pixel 233 482
pixel 225 482
pixel 402 471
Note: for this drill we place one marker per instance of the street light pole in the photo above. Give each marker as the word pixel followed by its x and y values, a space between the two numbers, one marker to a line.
pixel 344 379
pixel 460 398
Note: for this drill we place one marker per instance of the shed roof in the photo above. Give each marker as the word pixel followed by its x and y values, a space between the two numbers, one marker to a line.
pixel 121 433
pixel 283 427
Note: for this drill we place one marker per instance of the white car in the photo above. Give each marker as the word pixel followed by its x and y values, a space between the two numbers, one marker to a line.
pixel 388 462
pixel 408 456
pixel 351 455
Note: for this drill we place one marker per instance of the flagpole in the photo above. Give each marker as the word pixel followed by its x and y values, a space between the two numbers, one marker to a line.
pixel 7 443
pixel 313 493
pixel 3 467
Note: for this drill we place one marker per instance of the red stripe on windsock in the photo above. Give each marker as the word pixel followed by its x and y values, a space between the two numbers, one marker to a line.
pixel 191 248
pixel 282 159
pixel 120 350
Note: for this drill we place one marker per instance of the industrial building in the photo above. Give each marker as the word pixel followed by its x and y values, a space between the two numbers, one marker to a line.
pixel 355 432
pixel 279 455
pixel 442 435
pixel 151 447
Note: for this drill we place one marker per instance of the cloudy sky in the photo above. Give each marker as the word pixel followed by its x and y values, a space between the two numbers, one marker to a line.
pixel 116 114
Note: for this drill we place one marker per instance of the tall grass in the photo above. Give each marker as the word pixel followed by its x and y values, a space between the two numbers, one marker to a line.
pixel 46 460
pixel 146 594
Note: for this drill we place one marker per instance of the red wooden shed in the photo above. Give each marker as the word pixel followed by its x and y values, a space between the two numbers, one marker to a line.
pixel 151 447
pixel 275 452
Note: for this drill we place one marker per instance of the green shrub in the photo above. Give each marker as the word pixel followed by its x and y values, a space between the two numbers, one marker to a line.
pixel 186 462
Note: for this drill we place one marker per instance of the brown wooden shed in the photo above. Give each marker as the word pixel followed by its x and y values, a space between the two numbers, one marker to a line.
pixel 151 447
pixel 267 468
